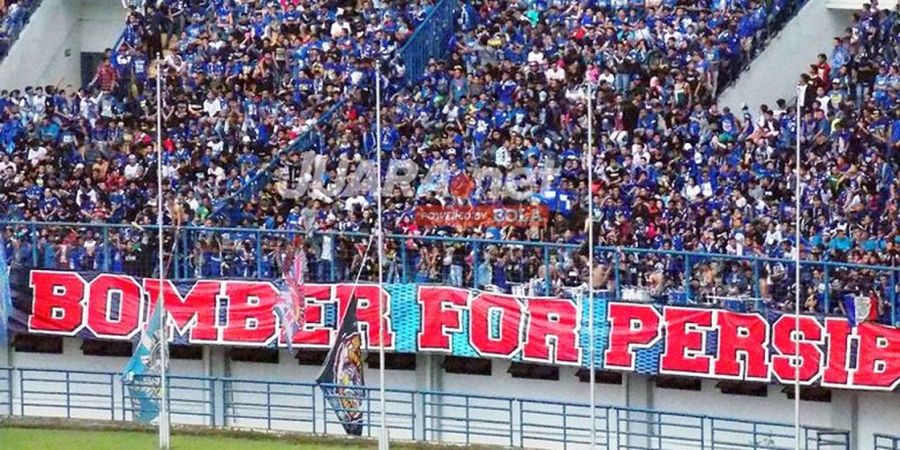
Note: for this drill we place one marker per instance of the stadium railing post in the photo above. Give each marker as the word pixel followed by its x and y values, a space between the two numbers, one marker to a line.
pixel 105 231
pixel 893 297
pixel 547 283
pixel 259 254
pixel 33 230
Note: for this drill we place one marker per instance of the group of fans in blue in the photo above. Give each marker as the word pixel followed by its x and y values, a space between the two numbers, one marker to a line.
pixel 672 170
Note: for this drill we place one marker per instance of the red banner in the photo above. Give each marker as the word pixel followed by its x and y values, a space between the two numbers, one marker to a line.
pixel 432 216
pixel 636 337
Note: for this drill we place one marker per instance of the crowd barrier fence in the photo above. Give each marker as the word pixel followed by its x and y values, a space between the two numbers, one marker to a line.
pixel 412 415
pixel 886 442
pixel 189 251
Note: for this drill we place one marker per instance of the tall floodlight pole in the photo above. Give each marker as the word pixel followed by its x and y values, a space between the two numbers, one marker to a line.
pixel 163 348
pixel 383 442
pixel 798 245
pixel 590 194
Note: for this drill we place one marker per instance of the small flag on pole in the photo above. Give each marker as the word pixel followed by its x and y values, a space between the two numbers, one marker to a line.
pixel 143 372
pixel 5 296
pixel 342 376
pixel 291 307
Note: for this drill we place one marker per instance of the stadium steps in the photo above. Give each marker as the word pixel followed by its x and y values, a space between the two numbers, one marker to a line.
pixel 856 5
pixel 774 73
pixel 49 49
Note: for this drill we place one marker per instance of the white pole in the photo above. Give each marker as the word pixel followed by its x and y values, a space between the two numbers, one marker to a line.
pixel 383 442
pixel 797 276
pixel 163 349
pixel 590 177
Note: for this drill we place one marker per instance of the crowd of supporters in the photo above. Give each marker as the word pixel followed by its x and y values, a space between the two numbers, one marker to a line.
pixel 672 171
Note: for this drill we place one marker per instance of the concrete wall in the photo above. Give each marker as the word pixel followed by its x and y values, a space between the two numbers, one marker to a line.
pixel 774 73
pixel 863 413
pixel 49 49
pixel 856 5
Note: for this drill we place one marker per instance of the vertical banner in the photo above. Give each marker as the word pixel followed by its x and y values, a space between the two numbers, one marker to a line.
pixel 142 373
pixel 291 306
pixel 342 376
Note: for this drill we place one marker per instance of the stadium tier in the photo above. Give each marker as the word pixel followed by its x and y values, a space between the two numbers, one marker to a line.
pixel 672 171
pixel 488 115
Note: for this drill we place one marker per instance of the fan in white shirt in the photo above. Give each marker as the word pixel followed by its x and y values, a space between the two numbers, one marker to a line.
pixel 212 106
pixel 555 72
pixel 133 169
pixel 37 154
pixel 536 56
pixel 691 190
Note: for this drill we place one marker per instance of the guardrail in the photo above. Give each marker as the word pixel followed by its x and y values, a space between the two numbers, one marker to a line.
pixel 264 176
pixel 430 40
pixel 744 282
pixel 6 390
pixel 886 442
pixel 411 415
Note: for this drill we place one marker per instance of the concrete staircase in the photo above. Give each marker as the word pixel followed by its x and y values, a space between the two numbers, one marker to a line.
pixel 49 48
pixel 774 73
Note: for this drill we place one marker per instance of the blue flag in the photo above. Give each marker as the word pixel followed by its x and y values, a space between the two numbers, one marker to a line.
pixel 143 372
pixel 342 376
pixel 5 296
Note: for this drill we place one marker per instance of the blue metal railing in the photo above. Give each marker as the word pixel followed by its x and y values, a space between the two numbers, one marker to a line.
pixel 772 436
pixel 645 429
pixel 552 422
pixel 278 405
pixel 411 415
pixel 468 416
pixel 6 390
pixel 400 413
pixel 430 40
pixel 265 175
pixel 886 442
pixel 82 393
pixel 627 265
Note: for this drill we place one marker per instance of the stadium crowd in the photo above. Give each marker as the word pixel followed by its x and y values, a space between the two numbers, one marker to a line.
pixel 672 170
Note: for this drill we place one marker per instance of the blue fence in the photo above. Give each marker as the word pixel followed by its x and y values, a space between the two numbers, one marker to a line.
pixel 265 175
pixel 430 40
pixel 6 390
pixel 411 415
pixel 885 442
pixel 741 283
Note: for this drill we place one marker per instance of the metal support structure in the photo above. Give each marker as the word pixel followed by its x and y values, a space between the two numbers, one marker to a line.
pixel 592 377
pixel 160 204
pixel 797 285
pixel 383 443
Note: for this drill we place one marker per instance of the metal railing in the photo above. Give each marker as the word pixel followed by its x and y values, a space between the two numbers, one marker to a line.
pixel 744 283
pixel 265 175
pixel 411 414
pixel 6 390
pixel 886 442
pixel 430 40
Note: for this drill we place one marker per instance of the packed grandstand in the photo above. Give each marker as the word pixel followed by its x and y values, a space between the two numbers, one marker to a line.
pixel 247 82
